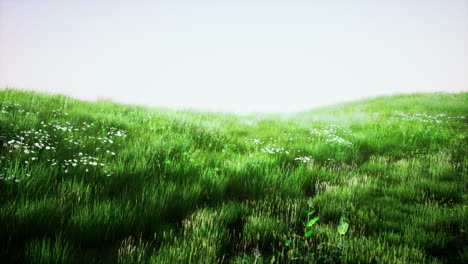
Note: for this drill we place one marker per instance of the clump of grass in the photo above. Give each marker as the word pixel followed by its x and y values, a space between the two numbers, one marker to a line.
pixel 132 250
pixel 303 247
pixel 48 250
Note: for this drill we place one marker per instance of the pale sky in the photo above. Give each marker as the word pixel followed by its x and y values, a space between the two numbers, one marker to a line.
pixel 238 55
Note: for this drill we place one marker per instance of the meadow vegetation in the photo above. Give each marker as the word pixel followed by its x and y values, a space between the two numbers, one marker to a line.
pixel 381 180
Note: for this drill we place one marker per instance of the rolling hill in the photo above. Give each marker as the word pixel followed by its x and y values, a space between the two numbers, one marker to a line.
pixel 381 180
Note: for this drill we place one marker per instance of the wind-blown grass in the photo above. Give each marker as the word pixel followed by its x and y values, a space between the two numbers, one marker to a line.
pixel 85 182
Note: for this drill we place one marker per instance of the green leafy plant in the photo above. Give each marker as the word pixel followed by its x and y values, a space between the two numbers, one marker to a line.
pixel 342 229
pixel 300 246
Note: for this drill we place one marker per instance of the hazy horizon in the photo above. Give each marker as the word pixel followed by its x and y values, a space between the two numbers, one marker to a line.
pixel 243 56
pixel 214 110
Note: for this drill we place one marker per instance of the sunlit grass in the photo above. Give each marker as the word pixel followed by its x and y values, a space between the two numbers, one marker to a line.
pixel 101 182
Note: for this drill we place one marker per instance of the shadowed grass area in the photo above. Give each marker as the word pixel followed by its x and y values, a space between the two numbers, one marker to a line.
pixel 85 182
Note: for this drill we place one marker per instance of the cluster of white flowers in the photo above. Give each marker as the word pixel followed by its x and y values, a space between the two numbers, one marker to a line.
pixel 255 141
pixel 305 159
pixel 29 142
pixel 8 107
pixel 274 149
pixel 271 148
pixel 115 132
pixel 30 145
pixel 57 113
pixel 283 145
pixel 8 178
pixel 425 118
pixel 329 135
pixel 294 137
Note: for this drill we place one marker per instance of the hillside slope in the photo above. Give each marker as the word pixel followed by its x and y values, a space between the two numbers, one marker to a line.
pixel 85 182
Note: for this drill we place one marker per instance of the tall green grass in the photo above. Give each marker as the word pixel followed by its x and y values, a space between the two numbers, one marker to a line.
pixel 85 182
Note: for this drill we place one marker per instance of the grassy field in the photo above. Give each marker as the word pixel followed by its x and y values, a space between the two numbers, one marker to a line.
pixel 382 180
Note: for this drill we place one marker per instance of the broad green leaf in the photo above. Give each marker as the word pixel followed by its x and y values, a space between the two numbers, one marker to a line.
pixel 343 228
pixel 313 221
pixel 272 260
pixel 287 242
pixel 311 212
pixel 308 233
pixel 343 218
